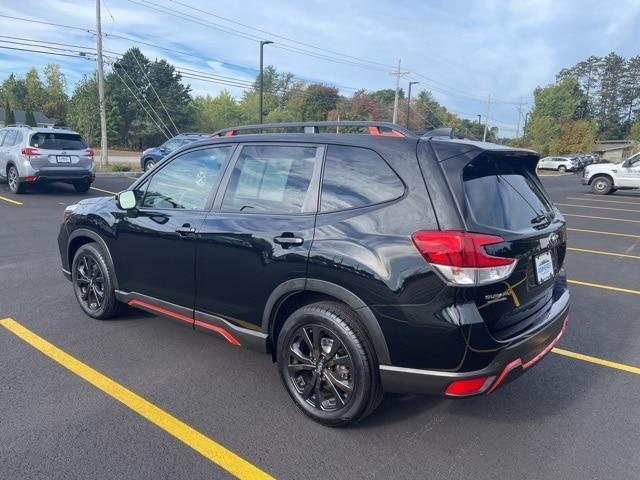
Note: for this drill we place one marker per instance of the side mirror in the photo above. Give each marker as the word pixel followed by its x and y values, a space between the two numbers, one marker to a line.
pixel 625 164
pixel 126 200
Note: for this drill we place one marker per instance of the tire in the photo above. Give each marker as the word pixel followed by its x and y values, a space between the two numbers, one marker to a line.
pixel 601 185
pixel 562 169
pixel 82 187
pixel 149 164
pixel 339 385
pixel 90 269
pixel 13 179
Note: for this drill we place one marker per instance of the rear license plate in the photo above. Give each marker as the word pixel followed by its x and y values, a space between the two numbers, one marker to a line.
pixel 544 267
pixel 64 159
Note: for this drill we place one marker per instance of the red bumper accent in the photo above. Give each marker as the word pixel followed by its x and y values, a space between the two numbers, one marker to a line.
pixel 518 361
pixel 178 316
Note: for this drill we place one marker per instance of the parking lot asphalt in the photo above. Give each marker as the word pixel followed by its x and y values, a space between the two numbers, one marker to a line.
pixel 571 418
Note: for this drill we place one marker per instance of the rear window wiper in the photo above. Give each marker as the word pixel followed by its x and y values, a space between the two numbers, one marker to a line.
pixel 538 219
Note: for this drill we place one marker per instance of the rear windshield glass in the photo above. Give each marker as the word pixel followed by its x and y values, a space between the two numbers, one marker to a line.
pixel 501 193
pixel 58 141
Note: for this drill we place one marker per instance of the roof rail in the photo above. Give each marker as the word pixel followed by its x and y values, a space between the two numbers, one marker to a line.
pixel 19 125
pixel 385 129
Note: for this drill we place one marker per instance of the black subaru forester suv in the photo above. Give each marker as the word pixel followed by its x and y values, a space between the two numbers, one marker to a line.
pixel 362 263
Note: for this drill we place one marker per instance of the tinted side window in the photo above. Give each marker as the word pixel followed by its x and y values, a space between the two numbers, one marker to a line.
pixel 187 181
pixel 10 139
pixel 3 133
pixel 357 177
pixel 271 178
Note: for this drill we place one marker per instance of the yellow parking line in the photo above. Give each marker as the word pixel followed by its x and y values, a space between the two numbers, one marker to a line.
pixel 101 190
pixel 605 287
pixel 206 447
pixel 602 200
pixel 597 361
pixel 603 233
pixel 601 218
pixel 598 208
pixel 599 252
pixel 15 202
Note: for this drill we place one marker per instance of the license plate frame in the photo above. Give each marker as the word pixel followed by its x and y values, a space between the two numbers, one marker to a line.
pixel 543 263
pixel 63 159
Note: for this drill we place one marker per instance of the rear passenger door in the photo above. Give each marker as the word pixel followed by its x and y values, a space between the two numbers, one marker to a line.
pixel 260 231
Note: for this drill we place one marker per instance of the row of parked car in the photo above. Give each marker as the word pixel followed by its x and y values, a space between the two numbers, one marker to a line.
pixel 567 163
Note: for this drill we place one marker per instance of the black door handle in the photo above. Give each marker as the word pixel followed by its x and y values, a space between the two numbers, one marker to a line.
pixel 288 240
pixel 185 229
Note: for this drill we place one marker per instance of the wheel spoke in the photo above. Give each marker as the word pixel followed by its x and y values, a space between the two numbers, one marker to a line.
pixel 300 357
pixel 335 346
pixel 297 367
pixel 95 295
pixel 335 390
pixel 85 293
pixel 308 389
pixel 316 341
pixel 318 391
pixel 345 387
pixel 307 340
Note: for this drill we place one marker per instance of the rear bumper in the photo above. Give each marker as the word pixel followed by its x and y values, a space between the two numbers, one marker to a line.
pixel 509 363
pixel 62 174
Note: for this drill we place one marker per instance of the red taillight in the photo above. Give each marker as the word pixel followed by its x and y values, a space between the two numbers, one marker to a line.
pixel 461 258
pixel 468 386
pixel 89 152
pixel 30 151
pixel 30 178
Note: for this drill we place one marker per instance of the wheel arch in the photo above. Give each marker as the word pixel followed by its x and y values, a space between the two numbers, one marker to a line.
pixel 607 175
pixel 82 236
pixel 293 294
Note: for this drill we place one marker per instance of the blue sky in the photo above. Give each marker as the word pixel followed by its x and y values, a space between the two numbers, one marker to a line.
pixel 460 50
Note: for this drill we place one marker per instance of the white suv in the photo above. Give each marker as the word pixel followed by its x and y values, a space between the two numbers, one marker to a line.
pixel 561 164
pixel 606 178
pixel 29 155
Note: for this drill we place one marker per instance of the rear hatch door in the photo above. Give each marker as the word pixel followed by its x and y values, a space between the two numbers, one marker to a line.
pixel 59 149
pixel 499 193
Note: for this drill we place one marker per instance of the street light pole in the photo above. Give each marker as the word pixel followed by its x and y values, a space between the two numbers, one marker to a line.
pixel 409 103
pixel 262 44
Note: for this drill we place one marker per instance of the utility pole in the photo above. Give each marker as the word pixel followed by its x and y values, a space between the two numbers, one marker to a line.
pixel 104 157
pixel 486 119
pixel 409 103
pixel 398 74
pixel 262 44
pixel 519 115
pixel 526 121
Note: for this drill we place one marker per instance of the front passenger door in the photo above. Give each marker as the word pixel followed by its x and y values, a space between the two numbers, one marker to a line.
pixel 629 175
pixel 154 254
pixel 260 232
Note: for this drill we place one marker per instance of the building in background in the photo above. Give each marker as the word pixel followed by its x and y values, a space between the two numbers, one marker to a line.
pixel 615 151
pixel 21 118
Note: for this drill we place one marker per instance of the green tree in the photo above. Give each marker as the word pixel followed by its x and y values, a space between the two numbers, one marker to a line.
pixel 15 90
pixel 35 92
pixel 83 113
pixel 634 132
pixel 56 99
pixel 9 117
pixel 214 113
pixel 30 119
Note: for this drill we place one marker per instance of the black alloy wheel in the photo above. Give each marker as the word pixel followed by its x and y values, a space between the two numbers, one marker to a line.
pixel 320 368
pixel 92 282
pixel 327 364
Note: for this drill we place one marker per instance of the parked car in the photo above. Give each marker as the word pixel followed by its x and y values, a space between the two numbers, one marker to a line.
pixel 606 178
pixel 151 156
pixel 360 263
pixel 35 155
pixel 561 164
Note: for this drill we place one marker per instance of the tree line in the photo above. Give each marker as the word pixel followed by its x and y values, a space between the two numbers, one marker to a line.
pixel 596 99
pixel 148 101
